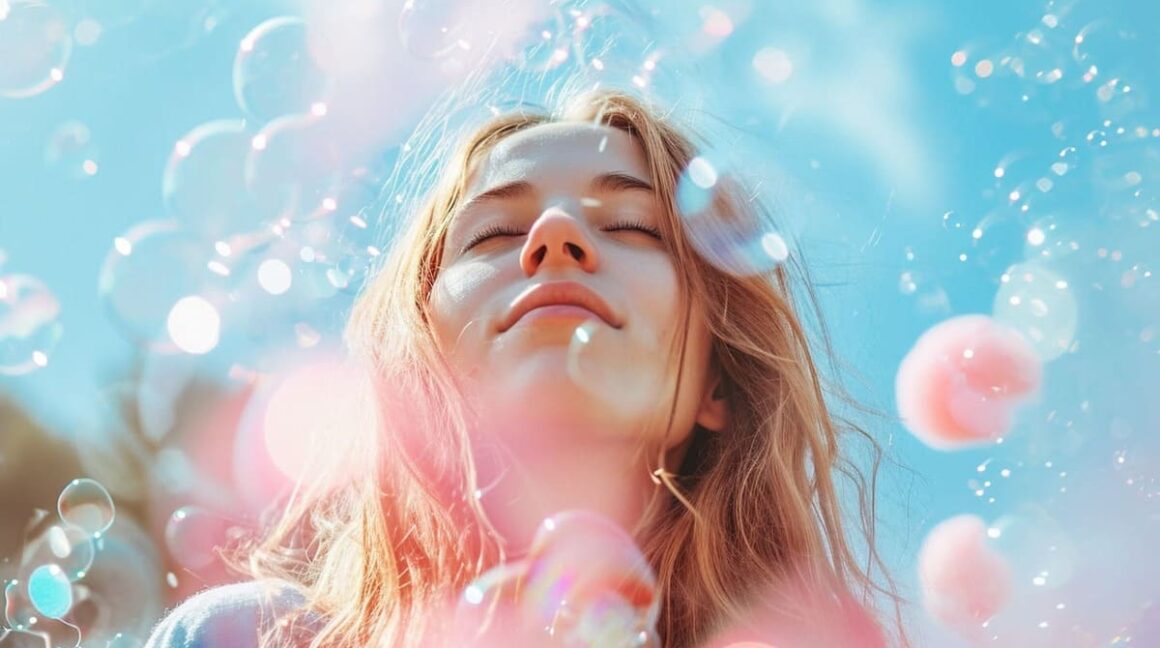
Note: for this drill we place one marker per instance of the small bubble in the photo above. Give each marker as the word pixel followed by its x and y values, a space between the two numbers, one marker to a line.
pixel 86 505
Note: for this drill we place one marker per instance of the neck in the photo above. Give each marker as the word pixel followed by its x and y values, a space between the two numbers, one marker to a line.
pixel 523 482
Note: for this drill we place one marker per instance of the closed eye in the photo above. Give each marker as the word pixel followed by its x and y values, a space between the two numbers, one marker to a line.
pixel 636 225
pixel 488 232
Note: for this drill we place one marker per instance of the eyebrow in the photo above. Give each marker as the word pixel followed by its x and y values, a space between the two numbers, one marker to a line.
pixel 605 182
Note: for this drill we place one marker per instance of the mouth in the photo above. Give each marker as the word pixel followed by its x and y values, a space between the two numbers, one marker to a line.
pixel 564 301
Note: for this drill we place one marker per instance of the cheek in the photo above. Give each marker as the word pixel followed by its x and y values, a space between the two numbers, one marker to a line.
pixel 458 295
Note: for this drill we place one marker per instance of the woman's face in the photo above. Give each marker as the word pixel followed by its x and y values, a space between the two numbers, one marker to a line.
pixel 578 219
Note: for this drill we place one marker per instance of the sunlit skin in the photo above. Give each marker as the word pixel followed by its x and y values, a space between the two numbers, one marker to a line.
pixel 575 440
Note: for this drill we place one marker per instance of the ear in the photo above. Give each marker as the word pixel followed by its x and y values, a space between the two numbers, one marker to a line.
pixel 713 412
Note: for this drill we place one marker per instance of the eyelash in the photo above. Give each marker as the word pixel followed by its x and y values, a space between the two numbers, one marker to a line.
pixel 494 230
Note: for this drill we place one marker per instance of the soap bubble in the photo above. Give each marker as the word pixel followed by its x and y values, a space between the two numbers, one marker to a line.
pixel 1041 553
pixel 71 151
pixel 86 505
pixel 192 535
pixel 50 591
pixel 29 325
pixel 584 582
pixel 204 183
pixel 294 168
pixel 275 73
pixel 34 45
pixel 64 545
pixel 19 612
pixel 128 283
pixel 1038 303
pixel 740 247
pixel 614 44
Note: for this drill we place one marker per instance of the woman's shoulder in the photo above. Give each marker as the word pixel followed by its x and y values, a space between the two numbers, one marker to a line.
pixel 230 616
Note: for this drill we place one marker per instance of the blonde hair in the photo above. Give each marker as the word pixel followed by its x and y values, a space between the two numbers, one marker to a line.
pixel 753 506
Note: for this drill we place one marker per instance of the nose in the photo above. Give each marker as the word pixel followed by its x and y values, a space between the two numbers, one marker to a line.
pixel 558 239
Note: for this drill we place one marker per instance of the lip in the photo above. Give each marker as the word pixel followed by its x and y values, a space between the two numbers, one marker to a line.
pixel 558 293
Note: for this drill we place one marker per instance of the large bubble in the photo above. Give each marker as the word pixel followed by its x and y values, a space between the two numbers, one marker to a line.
pixel 204 183
pixel 733 243
pixel 294 168
pixel 1038 303
pixel 35 45
pixel 29 324
pixel 275 72
pixel 128 284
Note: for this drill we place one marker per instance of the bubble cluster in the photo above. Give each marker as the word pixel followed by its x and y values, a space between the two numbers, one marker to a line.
pixel 45 601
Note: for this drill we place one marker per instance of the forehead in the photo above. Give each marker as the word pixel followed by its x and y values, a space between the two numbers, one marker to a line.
pixel 560 152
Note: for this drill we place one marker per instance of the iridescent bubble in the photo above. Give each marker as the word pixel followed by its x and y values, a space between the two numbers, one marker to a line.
pixel 71 151
pixel 35 46
pixel 1038 303
pixel 29 326
pixel 294 168
pixel 134 298
pixel 736 245
pixel 86 505
pixel 589 583
pixel 275 73
pixel 1041 553
pixel 204 183
pixel 193 534
pixel 66 546
pixel 50 591
pixel 430 28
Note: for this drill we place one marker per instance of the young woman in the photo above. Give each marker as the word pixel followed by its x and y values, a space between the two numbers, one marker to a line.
pixel 548 335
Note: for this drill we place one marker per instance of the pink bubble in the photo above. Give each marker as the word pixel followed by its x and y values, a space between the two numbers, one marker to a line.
pixel 962 381
pixel 963 581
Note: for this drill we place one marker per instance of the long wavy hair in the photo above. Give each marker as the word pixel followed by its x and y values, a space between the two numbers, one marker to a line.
pixel 752 506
